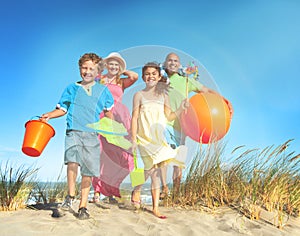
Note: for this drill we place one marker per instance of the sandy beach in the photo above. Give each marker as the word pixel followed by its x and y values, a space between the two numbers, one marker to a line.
pixel 108 219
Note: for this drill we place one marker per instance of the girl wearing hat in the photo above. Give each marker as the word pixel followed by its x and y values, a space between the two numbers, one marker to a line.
pixel 116 163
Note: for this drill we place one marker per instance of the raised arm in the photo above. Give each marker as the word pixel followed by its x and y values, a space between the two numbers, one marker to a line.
pixel 130 79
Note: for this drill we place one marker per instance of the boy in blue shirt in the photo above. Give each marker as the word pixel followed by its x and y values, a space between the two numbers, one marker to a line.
pixel 83 102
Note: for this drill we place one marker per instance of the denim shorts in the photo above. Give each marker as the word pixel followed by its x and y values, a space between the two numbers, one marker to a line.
pixel 83 148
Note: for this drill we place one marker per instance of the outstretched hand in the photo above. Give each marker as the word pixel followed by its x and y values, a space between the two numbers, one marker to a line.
pixel 134 146
pixel 185 104
pixel 45 117
pixel 207 90
pixel 229 106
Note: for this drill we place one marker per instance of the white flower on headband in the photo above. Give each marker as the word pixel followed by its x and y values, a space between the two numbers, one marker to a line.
pixel 168 80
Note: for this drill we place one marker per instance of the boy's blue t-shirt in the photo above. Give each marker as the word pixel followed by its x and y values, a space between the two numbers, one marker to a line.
pixel 84 107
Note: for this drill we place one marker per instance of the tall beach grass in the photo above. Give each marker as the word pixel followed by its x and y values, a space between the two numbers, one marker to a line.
pixel 50 191
pixel 252 181
pixel 15 185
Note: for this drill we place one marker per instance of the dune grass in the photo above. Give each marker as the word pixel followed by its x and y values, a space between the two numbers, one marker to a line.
pixel 14 188
pixel 50 191
pixel 18 184
pixel 249 180
pixel 254 180
pixel 53 191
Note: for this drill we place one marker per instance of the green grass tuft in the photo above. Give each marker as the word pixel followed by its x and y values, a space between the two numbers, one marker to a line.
pixel 255 180
pixel 14 189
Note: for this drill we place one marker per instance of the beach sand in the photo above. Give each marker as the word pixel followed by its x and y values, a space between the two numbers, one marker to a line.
pixel 123 220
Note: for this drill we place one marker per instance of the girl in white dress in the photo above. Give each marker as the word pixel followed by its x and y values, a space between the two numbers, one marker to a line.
pixel 151 112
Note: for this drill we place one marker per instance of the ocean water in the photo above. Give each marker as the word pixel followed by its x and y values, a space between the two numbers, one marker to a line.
pixel 125 187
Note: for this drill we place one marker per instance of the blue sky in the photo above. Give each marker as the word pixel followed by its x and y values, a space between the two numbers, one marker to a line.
pixel 250 50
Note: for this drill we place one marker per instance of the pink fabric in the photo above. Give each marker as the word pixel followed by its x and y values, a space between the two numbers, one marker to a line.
pixel 115 162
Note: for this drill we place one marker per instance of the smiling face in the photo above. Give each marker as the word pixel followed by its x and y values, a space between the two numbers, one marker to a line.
pixel 172 63
pixel 151 76
pixel 113 67
pixel 88 72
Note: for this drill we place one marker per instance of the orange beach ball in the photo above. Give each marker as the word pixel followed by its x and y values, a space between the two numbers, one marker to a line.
pixel 207 119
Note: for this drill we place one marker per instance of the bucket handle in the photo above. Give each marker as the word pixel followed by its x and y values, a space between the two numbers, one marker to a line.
pixel 35 117
pixel 39 118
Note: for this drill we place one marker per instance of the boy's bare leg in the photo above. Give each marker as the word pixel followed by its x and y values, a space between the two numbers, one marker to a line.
pixel 72 171
pixel 85 190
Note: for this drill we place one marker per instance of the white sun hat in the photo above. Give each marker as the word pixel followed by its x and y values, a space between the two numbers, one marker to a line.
pixel 116 56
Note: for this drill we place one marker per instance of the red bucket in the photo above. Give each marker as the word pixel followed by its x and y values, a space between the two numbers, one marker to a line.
pixel 37 135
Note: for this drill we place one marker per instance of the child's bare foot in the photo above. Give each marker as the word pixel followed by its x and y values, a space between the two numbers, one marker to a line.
pixel 135 203
pixel 157 214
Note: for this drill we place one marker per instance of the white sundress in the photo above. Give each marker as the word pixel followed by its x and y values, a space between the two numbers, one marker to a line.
pixel 152 143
